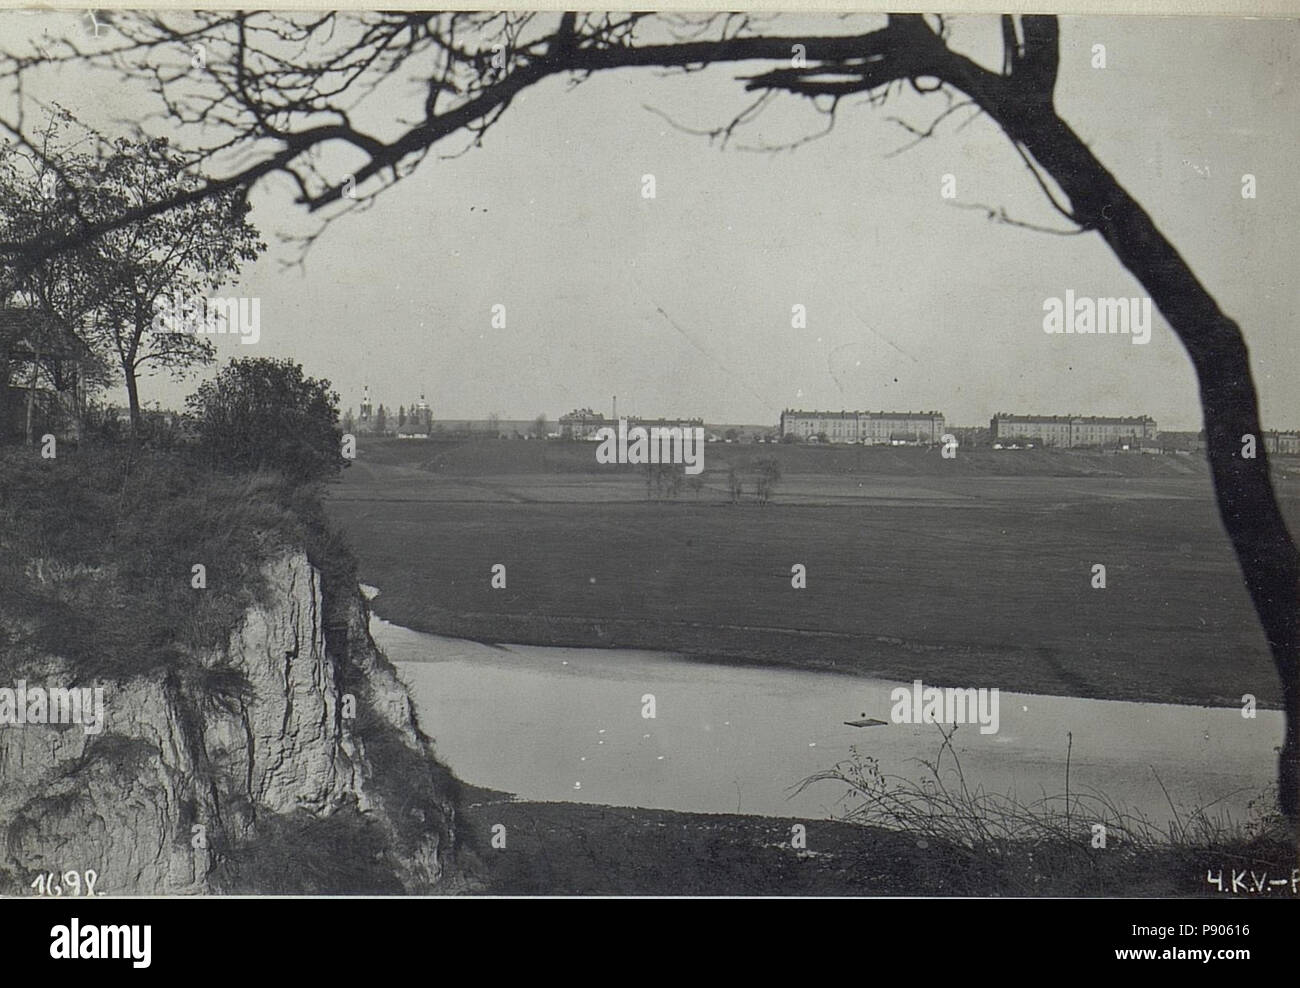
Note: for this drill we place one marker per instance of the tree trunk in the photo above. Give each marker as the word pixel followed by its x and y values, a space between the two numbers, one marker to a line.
pixel 1020 100
pixel 133 399
pixel 1248 506
pixel 31 392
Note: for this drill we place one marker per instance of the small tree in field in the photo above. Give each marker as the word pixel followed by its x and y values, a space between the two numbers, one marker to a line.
pixel 735 485
pixel 263 414
pixel 769 475
pixel 663 480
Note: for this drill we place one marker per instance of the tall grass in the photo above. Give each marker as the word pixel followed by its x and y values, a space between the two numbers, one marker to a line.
pixel 297 853
pixel 987 842
pixel 97 549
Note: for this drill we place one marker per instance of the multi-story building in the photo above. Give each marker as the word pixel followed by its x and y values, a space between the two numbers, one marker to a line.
pixel 911 427
pixel 1284 443
pixel 864 427
pixel 1072 430
pixel 581 423
pixel 837 427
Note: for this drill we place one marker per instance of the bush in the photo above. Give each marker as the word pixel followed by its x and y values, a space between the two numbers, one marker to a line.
pixel 262 414
pixel 301 854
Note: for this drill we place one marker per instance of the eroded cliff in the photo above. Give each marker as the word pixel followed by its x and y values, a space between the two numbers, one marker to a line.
pixel 289 760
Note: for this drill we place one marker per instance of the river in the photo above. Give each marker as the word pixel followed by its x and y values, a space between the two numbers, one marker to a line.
pixel 567 724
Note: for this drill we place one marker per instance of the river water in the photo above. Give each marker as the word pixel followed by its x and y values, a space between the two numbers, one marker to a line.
pixel 567 724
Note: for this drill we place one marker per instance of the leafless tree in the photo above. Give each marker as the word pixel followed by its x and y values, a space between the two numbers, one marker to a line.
pixel 769 475
pixel 735 484
pixel 278 89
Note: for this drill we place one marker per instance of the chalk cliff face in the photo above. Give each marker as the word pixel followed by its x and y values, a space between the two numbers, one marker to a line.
pixel 298 718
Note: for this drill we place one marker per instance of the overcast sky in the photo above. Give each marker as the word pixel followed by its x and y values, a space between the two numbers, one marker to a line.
pixel 912 303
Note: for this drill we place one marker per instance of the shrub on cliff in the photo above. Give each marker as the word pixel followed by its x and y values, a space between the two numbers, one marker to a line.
pixel 263 414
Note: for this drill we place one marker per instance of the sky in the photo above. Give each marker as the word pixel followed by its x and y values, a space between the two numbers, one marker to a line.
pixel 681 305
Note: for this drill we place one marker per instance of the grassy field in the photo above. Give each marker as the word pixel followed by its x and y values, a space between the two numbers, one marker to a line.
pixel 971 572
pixel 491 458
pixel 579 849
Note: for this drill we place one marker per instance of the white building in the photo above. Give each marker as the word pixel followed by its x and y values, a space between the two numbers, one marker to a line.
pixel 925 428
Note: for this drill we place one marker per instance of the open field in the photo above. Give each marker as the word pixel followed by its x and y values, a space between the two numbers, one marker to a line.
pixel 489 457
pixel 917 567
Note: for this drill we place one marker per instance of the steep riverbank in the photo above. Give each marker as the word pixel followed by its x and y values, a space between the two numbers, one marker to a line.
pixel 253 739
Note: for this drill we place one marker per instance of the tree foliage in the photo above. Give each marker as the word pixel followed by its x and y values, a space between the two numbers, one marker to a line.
pixel 165 263
pixel 263 414
pixel 106 292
